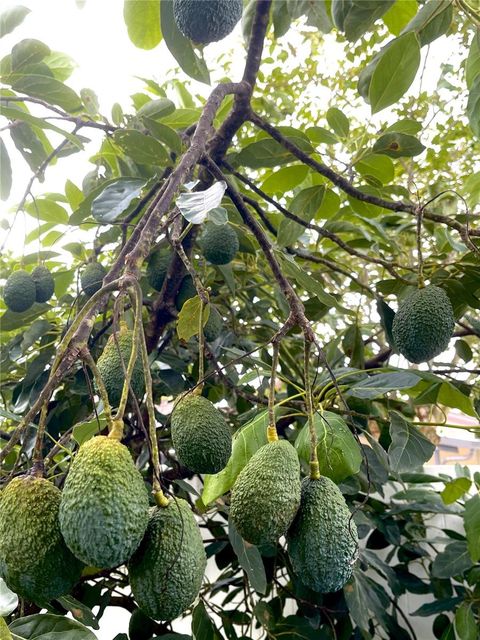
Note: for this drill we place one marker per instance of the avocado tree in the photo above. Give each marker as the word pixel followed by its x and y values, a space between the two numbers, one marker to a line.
pixel 289 256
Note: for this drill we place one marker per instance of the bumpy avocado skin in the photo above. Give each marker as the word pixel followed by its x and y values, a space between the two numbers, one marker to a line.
pixel 322 541
pixel 19 291
pixel 166 571
pixel 112 371
pixel 266 494
pixel 200 435
pixel 157 268
pixel 213 326
pixel 219 244
pixel 104 507
pixel 185 292
pixel 35 562
pixel 91 278
pixel 205 21
pixel 423 324
pixel 44 283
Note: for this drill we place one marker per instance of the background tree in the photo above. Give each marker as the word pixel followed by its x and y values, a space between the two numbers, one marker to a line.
pixel 339 216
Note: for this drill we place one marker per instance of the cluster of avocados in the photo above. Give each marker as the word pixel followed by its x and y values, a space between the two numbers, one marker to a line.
pixel 23 289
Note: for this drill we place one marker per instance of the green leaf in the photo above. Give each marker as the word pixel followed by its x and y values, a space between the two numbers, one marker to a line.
pixel 339 454
pixel 202 626
pixel 14 113
pixel 463 350
pixel 285 179
pixel 269 153
pixel 394 72
pixel 472 526
pixel 377 385
pixel 409 448
pixel 338 121
pixel 141 148
pixel 83 431
pixel 464 623
pixel 180 47
pixel 156 109
pixel 453 561
pixel 432 21
pixel 376 166
pixel 246 442
pixel 11 18
pixel 305 204
pixel 5 172
pixel 182 118
pixel 49 89
pixel 472 68
pixel 116 198
pixel 12 320
pixel 399 15
pixel 357 16
pixel 356 597
pixel 473 106
pixel 406 125
pixel 442 392
pixel 455 489
pixel 398 145
pixel 249 558
pixel 46 626
pixel 79 611
pixel 387 315
pixel 189 318
pixel 143 22
pixel 47 210
pixel 26 52
pixel 165 134
pixel 320 135
pixel 27 142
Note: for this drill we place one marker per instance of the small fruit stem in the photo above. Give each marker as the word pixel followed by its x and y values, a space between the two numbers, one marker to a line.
pixel 86 356
pixel 272 434
pixel 37 458
pixel 314 466
pixel 160 499
pixel 421 281
pixel 201 350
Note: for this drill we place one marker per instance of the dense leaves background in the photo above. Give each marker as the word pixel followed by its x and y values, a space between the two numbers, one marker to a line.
pixel 349 259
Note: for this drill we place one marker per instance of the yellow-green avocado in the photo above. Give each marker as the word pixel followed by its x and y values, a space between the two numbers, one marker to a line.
pixel 104 507
pixel 167 570
pixel 35 562
pixel 266 494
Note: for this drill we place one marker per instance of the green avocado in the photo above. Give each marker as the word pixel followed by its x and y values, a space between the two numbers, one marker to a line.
pixel 323 540
pixel 266 494
pixel 104 507
pixel 219 244
pixel 115 356
pixel 92 277
pixel 166 571
pixel 19 291
pixel 35 562
pixel 157 268
pixel 213 326
pixel 200 435
pixel 205 21
pixel 423 324
pixel 185 292
pixel 44 283
pixel 140 627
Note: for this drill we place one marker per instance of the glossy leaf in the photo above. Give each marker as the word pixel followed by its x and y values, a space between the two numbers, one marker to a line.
pixel 249 559
pixel 45 626
pixel 452 561
pixel 116 198
pixel 356 16
pixel 285 179
pixel 398 145
pixel 377 385
pixel 142 148
pixel 473 106
pixel 399 15
pixel 464 624
pixel 455 489
pixel 409 449
pixel 49 89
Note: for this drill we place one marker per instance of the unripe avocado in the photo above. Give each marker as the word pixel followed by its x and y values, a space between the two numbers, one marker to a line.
pixel 219 244
pixel 423 324
pixel 104 507
pixel 157 268
pixel 185 292
pixel 266 494
pixel 213 326
pixel 111 363
pixel 140 627
pixel 19 291
pixel 323 540
pixel 44 283
pixel 200 435
pixel 35 562
pixel 167 570
pixel 91 278
pixel 204 21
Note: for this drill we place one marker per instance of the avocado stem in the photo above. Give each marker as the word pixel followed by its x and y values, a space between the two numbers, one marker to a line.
pixel 314 465
pixel 86 356
pixel 116 429
pixel 272 425
pixel 272 434
pixel 160 498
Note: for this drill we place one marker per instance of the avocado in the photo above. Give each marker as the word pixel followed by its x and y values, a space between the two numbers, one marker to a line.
pixel 19 291
pixel 200 435
pixel 423 324
pixel 157 268
pixel 140 627
pixel 323 539
pixel 205 21
pixel 185 292
pixel 44 283
pixel 35 562
pixel 91 278
pixel 266 494
pixel 104 507
pixel 166 571
pixel 111 363
pixel 213 326
pixel 219 244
